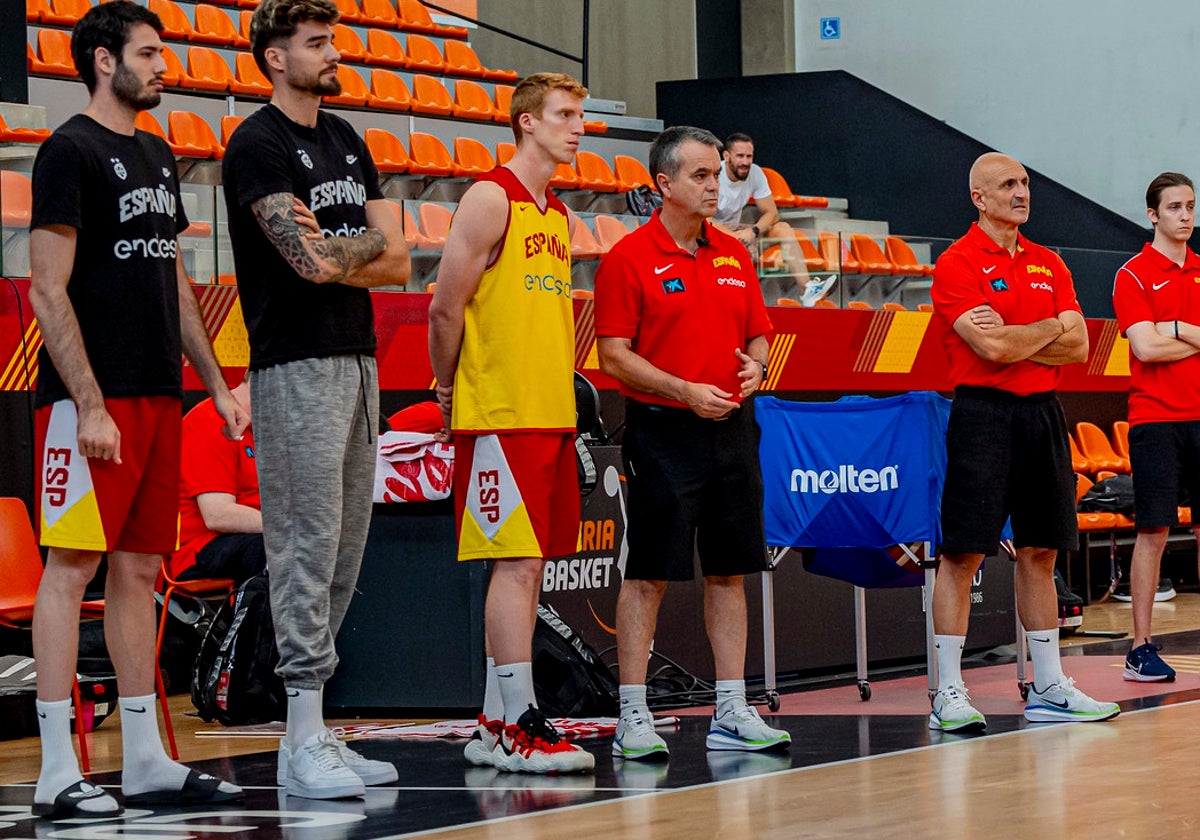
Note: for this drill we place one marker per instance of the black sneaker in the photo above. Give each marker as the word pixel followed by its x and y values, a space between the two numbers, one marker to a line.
pixel 1143 664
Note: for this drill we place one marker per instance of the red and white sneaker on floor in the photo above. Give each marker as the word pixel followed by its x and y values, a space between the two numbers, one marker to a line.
pixel 532 745
pixel 483 742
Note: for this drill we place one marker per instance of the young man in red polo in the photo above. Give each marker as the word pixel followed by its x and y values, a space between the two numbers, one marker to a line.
pixel 1156 297
pixel 681 325
pixel 1010 321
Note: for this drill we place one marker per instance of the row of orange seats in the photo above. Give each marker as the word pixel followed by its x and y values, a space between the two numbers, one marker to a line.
pixel 1092 452
pixel 408 15
pixel 855 254
pixel 826 303
pixel 428 230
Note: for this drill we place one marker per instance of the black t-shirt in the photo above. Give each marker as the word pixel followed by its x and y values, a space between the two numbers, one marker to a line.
pixel 121 194
pixel 328 168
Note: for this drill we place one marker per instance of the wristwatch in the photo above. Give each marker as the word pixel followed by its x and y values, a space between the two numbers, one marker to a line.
pixel 764 367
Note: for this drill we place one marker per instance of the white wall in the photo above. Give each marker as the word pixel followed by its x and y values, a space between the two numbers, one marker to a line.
pixel 1099 95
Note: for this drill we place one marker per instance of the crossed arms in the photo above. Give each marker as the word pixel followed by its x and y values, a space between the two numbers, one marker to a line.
pixel 1051 341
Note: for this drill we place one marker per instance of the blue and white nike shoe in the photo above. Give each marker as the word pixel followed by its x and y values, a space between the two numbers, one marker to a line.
pixel 1062 701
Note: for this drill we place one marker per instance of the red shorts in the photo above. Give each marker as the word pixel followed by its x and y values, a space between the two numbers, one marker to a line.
pixel 515 495
pixel 97 505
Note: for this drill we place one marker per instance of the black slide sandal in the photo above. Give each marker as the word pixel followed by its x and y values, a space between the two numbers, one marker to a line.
pixel 66 804
pixel 198 788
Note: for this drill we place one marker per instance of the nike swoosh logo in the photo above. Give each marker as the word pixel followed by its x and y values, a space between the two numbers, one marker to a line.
pixel 139 710
pixel 1063 705
pixel 664 268
pixel 989 269
pixel 293 694
pixel 506 676
pixel 1157 286
pixel 1036 639
pixel 42 715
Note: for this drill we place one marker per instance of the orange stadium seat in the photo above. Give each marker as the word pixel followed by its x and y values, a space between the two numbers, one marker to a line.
pixel 785 301
pixel 1079 463
pixel 388 91
pixel 348 11
pixel 429 96
pixel 435 223
pixel 505 152
pixel 1095 446
pixel 871 258
pixel 825 303
pixel 149 123
pixel 924 307
pixel 354 89
pixel 213 26
pixel 384 49
pixel 609 231
pixel 189 131
pixel 248 4
pixel 249 80
pixel 174 20
pixel 583 294
pixel 595 127
pixel 503 95
pixel 386 150
pixel 813 260
pixel 424 55
pixel 409 225
pixel 903 258
pixel 414 16
pixel 564 178
pixel 34 9
pixel 859 304
pixel 16 199
pixel 206 70
pixel 472 102
pixel 472 157
pixel 595 173
pixel 631 173
pixel 891 306
pixel 173 77
pixel 780 191
pixel 583 244
pixel 53 54
pixel 347 43
pixel 1120 438
pixel 462 60
pixel 244 18
pixel 378 13
pixel 835 255
pixel 229 124
pixel 64 12
pixel 21 134
pixel 429 156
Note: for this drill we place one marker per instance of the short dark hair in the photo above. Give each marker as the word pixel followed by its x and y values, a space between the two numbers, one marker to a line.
pixel 738 137
pixel 106 25
pixel 664 151
pixel 277 20
pixel 1166 179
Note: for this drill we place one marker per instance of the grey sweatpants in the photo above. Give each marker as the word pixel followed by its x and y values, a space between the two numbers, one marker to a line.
pixel 315 430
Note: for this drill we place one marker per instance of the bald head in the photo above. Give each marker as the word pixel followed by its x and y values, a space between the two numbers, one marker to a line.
pixel 1000 189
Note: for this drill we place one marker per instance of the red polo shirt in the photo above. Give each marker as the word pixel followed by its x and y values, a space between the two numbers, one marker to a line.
pixel 685 313
pixel 211 463
pixel 1151 287
pixel 1026 287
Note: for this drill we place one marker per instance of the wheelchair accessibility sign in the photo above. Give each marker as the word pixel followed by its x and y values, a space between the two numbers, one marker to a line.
pixel 831 28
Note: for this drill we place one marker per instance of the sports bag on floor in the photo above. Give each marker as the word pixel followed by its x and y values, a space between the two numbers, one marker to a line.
pixel 234 680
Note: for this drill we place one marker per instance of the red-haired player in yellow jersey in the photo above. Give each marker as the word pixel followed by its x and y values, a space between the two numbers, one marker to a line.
pixel 502 344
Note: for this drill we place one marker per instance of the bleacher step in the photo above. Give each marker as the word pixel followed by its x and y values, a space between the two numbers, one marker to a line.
pixel 29 116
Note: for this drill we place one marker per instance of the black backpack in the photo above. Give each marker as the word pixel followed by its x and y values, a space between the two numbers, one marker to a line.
pixel 1109 495
pixel 234 680
pixel 642 201
pixel 569 678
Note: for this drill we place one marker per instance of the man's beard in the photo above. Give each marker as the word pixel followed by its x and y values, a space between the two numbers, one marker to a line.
pixel 130 90
pixel 321 86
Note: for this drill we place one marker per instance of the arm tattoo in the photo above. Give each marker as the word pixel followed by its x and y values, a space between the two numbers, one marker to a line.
pixel 311 260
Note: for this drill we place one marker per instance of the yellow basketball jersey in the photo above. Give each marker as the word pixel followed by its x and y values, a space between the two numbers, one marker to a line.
pixel 517 363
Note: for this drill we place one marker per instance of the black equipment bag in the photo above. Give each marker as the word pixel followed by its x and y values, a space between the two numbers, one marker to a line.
pixel 642 200
pixel 1109 495
pixel 569 678
pixel 234 680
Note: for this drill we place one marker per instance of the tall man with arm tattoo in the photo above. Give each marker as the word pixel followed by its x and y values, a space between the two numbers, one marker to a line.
pixel 311 233
pixel 116 313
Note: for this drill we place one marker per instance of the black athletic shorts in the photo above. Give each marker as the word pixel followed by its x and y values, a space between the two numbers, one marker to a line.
pixel 1165 459
pixel 1008 455
pixel 692 483
pixel 236 556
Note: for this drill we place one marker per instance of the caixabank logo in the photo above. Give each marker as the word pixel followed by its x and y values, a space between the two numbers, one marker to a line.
pixel 846 478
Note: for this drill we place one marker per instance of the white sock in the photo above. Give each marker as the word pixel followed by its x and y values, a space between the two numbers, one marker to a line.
pixel 633 697
pixel 1047 664
pixel 949 660
pixel 305 717
pixel 731 694
pixel 516 689
pixel 60 769
pixel 145 765
pixel 493 703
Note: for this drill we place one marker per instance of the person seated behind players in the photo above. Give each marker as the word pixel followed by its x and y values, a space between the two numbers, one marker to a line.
pixel 220 516
pixel 742 181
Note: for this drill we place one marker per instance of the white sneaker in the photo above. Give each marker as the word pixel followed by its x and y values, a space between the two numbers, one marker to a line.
pixel 635 737
pixel 952 710
pixel 483 742
pixel 532 745
pixel 318 771
pixel 816 289
pixel 370 771
pixel 1063 701
pixel 741 728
